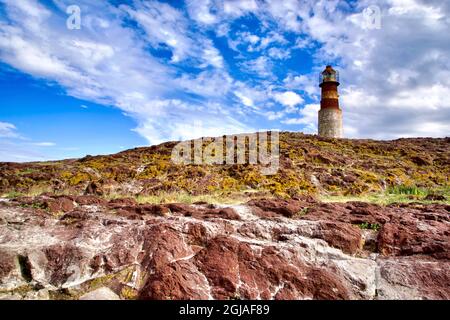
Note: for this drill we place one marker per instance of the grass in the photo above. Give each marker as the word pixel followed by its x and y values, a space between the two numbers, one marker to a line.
pixel 27 171
pixel 303 212
pixel 12 194
pixel 34 191
pixel 407 190
pixel 230 198
pixel 39 189
pixel 21 290
pixel 395 194
pixel 369 226
pixel 184 197
pixel 399 194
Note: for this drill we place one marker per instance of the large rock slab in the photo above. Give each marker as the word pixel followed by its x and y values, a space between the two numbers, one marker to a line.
pixel 273 249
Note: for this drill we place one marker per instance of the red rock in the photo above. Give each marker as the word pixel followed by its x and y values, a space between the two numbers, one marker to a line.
pixel 340 235
pixel 151 186
pixel 60 258
pixel 219 263
pixel 60 204
pixel 287 208
pixel 201 203
pixel 7 264
pixel 176 281
pixel 435 197
pixel 75 215
pixel 181 208
pixel 127 214
pixel 89 200
pixel 197 234
pixel 205 251
pixel 325 286
pixel 94 188
pixel 419 278
pixel 225 213
pixel 409 239
pixel 121 202
pixel 152 209
pixel 422 160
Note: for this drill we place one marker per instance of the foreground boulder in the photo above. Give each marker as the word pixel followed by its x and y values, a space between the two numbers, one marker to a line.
pixel 266 249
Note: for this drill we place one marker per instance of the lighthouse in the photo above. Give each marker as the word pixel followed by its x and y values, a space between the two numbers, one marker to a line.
pixel 330 115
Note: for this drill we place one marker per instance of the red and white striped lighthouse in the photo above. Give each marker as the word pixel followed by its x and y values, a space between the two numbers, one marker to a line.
pixel 330 115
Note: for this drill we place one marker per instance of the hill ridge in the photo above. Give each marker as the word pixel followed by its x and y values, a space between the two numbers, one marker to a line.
pixel 308 165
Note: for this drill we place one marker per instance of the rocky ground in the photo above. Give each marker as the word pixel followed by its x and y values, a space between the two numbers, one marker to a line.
pixel 84 247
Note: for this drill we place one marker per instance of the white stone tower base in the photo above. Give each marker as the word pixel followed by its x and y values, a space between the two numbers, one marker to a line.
pixel 330 123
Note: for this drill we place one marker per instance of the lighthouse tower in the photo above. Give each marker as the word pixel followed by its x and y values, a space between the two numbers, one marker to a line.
pixel 330 116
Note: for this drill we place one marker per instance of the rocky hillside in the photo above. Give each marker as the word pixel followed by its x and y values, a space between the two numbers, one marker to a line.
pixel 87 248
pixel 308 164
pixel 84 228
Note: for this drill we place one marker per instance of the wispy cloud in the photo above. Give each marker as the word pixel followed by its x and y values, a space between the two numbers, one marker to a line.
pixel 8 130
pixel 15 147
pixel 43 144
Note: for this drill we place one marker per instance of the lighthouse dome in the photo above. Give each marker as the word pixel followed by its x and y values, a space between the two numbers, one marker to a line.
pixel 329 75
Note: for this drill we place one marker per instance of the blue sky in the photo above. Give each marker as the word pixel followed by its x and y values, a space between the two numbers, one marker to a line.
pixel 144 72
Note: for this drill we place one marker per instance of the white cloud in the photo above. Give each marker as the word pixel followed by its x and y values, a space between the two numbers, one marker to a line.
pixel 16 152
pixel 239 8
pixel 211 56
pixel 211 12
pixel 251 96
pixel 44 144
pixel 260 66
pixel 271 38
pixel 8 130
pixel 289 99
pixel 16 148
pixel 287 13
pixel 278 53
pixel 206 83
pixel 272 115
pixel 185 123
pixel 163 24
pixel 199 10
pixel 306 83
pixel 245 100
pixel 252 38
pixel 308 118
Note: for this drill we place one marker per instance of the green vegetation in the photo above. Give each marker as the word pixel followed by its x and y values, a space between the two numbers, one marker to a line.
pixel 12 194
pixel 27 171
pixel 407 190
pixel 38 189
pixel 394 195
pixel 369 226
pixel 22 290
pixel 34 206
pixel 303 212
pixel 128 293
pixel 184 197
